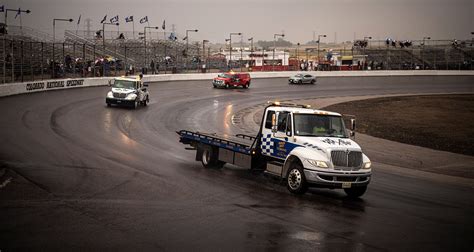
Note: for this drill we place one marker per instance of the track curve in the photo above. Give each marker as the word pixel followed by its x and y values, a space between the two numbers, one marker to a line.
pixel 96 177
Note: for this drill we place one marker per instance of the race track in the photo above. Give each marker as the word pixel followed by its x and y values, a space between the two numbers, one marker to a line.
pixel 85 176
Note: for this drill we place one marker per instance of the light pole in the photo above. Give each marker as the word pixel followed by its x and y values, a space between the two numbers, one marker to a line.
pixel 365 60
pixel 204 51
pixel 54 38
pixel 17 11
pixel 423 51
pixel 54 25
pixel 251 51
pixel 4 43
pixel 319 40
pixel 472 41
pixel 144 39
pixel 103 31
pixel 297 59
pixel 230 44
pixel 274 48
pixel 187 45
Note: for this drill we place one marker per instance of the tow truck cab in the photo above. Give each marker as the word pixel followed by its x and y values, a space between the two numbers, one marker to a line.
pixel 312 148
pixel 129 91
pixel 232 79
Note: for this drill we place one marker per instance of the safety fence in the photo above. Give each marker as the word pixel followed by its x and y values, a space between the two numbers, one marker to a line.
pixel 31 60
pixel 23 60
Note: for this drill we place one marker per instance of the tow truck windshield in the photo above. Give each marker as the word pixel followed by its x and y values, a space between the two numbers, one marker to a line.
pixel 124 84
pixel 319 125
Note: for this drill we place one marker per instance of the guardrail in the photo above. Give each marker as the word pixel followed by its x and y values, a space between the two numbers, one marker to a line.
pixel 58 84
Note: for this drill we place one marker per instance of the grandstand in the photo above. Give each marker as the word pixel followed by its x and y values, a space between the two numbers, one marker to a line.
pixel 438 55
pixel 28 54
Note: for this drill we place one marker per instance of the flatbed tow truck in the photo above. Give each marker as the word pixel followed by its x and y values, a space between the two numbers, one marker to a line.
pixel 303 146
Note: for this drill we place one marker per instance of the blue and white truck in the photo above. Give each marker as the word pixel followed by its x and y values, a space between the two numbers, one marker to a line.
pixel 305 147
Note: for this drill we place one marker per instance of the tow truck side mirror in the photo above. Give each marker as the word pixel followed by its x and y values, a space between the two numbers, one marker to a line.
pixel 274 125
pixel 353 127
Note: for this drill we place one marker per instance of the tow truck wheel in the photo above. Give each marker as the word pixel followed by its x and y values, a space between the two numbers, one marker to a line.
pixel 208 158
pixel 226 85
pixel 300 82
pixel 313 81
pixel 108 105
pixel 355 192
pixel 246 85
pixel 296 181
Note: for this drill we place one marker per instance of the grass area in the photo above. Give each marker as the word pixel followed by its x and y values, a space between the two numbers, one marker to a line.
pixel 441 122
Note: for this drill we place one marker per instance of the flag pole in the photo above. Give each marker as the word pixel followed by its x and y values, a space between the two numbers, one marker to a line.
pixel 133 28
pixel 77 25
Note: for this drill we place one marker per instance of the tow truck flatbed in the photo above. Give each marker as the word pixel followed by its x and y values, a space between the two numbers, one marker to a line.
pixel 239 143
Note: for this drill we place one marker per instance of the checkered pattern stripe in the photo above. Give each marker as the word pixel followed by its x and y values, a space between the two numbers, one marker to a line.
pixel 267 145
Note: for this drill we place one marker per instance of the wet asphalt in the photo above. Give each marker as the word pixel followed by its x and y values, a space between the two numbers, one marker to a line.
pixel 82 176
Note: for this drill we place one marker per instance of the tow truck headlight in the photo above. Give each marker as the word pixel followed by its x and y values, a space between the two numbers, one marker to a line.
pixel 316 163
pixel 110 94
pixel 131 96
pixel 367 165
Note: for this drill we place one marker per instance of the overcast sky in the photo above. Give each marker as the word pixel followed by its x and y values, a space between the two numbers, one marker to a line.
pixel 215 19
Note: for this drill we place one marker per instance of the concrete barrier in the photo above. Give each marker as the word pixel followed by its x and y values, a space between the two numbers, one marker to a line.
pixel 47 85
pixel 56 84
pixel 256 75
